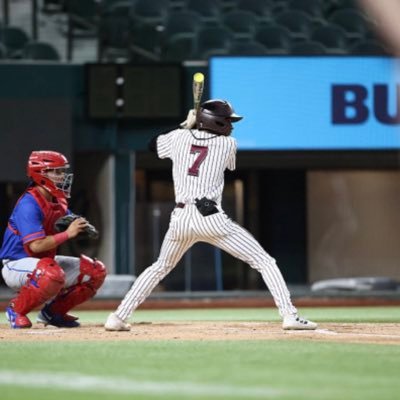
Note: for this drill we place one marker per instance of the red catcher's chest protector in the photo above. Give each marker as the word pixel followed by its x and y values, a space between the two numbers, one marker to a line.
pixel 51 212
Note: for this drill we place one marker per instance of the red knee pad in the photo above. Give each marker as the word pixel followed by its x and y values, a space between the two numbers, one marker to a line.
pixel 93 273
pixel 48 276
pixel 45 282
pixel 94 269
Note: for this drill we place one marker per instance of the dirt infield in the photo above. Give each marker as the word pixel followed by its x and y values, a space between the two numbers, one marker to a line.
pixel 382 333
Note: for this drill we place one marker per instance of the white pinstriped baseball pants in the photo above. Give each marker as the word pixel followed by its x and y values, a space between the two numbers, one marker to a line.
pixel 188 226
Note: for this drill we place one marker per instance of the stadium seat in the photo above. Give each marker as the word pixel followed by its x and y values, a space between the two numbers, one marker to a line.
pixel 331 6
pixel 176 5
pixel 179 47
pixel 228 5
pixel 184 21
pixel 241 23
pixel 332 37
pixel 53 6
pixel 261 8
pixel 278 6
pixel 109 6
pixel 313 8
pixel 371 34
pixel 348 4
pixel 82 16
pixel 368 47
pixel 352 21
pixel 114 31
pixel 247 48
pixel 297 22
pixel 14 39
pixel 148 19
pixel 275 38
pixel 208 10
pixel 308 48
pixel 82 22
pixel 146 41
pixel 149 12
pixel 36 50
pixel 214 52
pixel 212 40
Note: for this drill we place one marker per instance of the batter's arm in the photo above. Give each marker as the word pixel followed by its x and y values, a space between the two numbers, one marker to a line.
pixel 231 164
pixel 190 121
pixel 152 143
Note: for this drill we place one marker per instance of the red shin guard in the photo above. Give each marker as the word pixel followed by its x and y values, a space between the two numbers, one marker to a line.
pixel 93 273
pixel 46 280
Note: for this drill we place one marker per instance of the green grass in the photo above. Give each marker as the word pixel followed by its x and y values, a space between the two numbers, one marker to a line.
pixel 205 369
pixel 321 314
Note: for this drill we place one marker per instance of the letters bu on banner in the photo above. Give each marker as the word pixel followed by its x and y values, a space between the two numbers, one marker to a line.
pixel 349 104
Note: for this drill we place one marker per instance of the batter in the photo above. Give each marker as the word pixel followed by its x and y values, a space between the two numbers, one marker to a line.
pixel 200 157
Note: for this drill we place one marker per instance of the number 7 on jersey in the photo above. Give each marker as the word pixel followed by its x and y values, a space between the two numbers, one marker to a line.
pixel 202 152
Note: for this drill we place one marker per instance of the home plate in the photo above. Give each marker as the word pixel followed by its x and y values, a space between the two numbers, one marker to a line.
pixel 326 332
pixel 305 331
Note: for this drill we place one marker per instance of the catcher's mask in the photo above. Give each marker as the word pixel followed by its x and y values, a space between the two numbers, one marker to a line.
pixel 49 169
pixel 216 116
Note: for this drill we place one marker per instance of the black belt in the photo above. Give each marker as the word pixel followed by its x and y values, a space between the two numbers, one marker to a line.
pixel 180 205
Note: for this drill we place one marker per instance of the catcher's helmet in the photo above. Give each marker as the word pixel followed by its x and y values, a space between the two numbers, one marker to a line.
pixel 216 116
pixel 49 170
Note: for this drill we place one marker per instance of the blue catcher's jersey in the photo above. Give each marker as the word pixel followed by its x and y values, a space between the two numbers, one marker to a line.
pixel 24 226
pixel 33 218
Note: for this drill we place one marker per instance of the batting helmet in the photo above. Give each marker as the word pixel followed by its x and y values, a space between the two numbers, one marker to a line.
pixel 49 170
pixel 216 116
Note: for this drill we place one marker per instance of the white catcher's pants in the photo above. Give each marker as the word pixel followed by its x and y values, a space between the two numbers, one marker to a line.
pixel 188 226
pixel 15 273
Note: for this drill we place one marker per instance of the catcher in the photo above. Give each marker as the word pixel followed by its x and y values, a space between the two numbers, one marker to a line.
pixel 39 223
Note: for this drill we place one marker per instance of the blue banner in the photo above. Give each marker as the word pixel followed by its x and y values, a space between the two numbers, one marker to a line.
pixel 311 103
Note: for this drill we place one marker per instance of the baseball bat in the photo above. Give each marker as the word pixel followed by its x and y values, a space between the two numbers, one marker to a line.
pixel 198 86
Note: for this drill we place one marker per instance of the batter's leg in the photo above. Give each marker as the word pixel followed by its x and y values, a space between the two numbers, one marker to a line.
pixel 242 244
pixel 171 252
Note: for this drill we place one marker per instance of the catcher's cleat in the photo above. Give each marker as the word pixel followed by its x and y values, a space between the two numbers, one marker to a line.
pixel 294 322
pixel 70 317
pixel 114 323
pixel 46 317
pixel 16 320
pixel 67 317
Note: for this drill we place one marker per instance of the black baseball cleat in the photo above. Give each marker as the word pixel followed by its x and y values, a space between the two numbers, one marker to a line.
pixel 46 317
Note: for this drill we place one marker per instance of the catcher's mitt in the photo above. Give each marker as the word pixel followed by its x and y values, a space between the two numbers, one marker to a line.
pixel 63 223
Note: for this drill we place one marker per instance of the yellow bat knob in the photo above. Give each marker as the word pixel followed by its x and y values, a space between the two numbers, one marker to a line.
pixel 198 77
